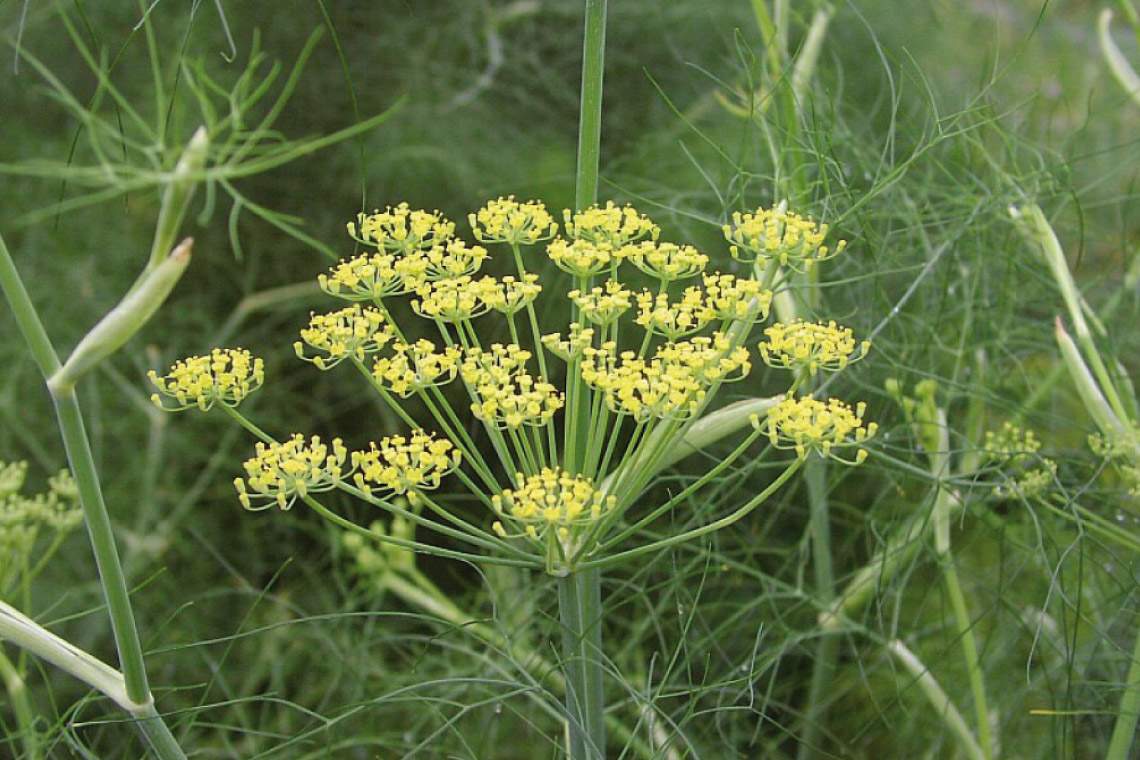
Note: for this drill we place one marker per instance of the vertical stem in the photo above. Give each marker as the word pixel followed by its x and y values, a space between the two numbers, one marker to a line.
pixel 827 648
pixel 580 611
pixel 1124 731
pixel 590 114
pixel 970 651
pixel 21 706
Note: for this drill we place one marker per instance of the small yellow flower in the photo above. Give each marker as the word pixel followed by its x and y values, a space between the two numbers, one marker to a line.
pixel 455 259
pixel 659 388
pixel 350 332
pixel 733 298
pixel 509 294
pixel 779 235
pixel 402 465
pixel 551 498
pixel 610 225
pixel 812 346
pixel 414 367
pixel 603 305
pixel 451 300
pixel 1017 450
pixel 578 339
pixel 505 220
pixel 806 425
pixel 226 375
pixel 710 359
pixel 582 258
pixel 673 320
pixel 504 394
pixel 402 230
pixel 280 472
pixel 666 261
pixel 367 277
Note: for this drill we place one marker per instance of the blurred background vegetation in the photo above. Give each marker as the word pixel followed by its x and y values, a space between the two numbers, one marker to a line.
pixel 928 119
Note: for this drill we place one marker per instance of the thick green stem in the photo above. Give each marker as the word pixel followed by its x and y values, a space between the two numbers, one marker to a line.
pixel 823 667
pixel 1124 732
pixel 21 706
pixel 580 611
pixel 98 522
pixel 590 112
pixel 970 651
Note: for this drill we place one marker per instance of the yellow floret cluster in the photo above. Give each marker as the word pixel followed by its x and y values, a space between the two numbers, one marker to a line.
pixel 781 236
pixel 610 225
pixel 550 498
pixel 405 465
pixel 506 220
pixel 412 367
pixel 225 375
pixel 811 346
pixel 279 473
pixel 806 424
pixel 352 332
pixel 401 229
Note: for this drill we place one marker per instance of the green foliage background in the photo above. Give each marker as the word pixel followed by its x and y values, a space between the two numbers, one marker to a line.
pixel 929 120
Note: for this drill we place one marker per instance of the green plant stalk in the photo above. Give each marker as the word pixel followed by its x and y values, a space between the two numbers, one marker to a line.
pixel 94 509
pixel 1124 732
pixel 21 706
pixel 938 699
pixel 827 649
pixel 590 110
pixel 580 613
pixel 970 650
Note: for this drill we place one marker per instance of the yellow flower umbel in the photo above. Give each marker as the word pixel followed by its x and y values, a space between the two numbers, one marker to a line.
pixel 602 305
pixel 25 518
pixel 414 367
pixel 811 346
pixel 503 393
pixel 710 358
pixel 226 375
pixel 508 295
pixel 736 298
pixel 583 258
pixel 281 472
pixel 350 332
pixel 402 230
pixel 405 465
pixel 1017 452
pixel 662 388
pixel 551 500
pixel 610 225
pixel 452 300
pixel 781 236
pixel 578 340
pixel 505 220
pixel 455 259
pixel 675 320
pixel 806 425
pixel 367 277
pixel 666 261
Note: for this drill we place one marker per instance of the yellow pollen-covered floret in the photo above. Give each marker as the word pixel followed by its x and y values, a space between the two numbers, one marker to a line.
pixel 570 348
pixel 504 394
pixel 661 387
pixel 455 259
pixel 280 472
pixel 402 229
pixel 736 298
pixel 811 345
pixel 405 464
pixel 779 235
pixel 666 261
pixel 603 305
pixel 611 225
pixel 367 277
pixel 450 300
pixel 675 319
pixel 509 294
pixel 552 498
pixel 414 367
pixel 354 332
pixel 710 358
pixel 225 375
pixel 506 220
pixel 806 424
pixel 583 258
